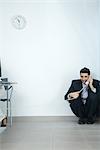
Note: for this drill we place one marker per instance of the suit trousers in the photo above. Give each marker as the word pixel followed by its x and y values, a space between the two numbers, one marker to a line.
pixel 87 110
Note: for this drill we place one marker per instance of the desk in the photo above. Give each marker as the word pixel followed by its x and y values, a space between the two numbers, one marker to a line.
pixel 9 89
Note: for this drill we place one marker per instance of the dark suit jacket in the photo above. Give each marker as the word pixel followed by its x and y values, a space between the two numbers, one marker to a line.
pixel 76 85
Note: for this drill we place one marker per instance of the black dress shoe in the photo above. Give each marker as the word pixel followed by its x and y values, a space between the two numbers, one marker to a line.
pixel 4 122
pixel 81 121
pixel 3 125
pixel 90 121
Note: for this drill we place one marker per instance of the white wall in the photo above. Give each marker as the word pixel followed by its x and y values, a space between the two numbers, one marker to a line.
pixel 60 38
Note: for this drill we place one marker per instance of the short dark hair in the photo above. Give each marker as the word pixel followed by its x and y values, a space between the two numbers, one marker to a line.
pixel 85 70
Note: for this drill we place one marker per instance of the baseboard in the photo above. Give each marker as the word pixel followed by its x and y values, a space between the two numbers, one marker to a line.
pixel 43 118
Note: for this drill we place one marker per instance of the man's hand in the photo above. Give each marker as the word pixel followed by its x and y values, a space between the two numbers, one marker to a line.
pixel 90 81
pixel 74 95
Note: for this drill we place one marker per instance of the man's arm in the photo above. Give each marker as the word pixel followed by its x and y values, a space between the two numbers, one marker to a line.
pixel 91 85
pixel 72 93
pixel 96 85
pixel 69 91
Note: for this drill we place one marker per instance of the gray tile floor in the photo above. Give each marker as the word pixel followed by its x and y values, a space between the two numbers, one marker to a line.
pixel 50 133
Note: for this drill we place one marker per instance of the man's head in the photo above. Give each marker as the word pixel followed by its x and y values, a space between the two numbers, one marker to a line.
pixel 84 74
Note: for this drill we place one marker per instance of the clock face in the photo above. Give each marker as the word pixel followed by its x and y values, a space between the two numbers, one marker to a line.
pixel 19 22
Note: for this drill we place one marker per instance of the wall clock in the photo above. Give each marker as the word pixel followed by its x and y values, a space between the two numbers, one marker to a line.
pixel 18 22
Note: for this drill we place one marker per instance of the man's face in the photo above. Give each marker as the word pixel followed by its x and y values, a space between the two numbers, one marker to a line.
pixel 84 77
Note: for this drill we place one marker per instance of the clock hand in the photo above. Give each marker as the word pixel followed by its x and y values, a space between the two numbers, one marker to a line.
pixel 18 20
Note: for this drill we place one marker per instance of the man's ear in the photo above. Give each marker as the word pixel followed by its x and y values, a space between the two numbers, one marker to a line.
pixel 90 76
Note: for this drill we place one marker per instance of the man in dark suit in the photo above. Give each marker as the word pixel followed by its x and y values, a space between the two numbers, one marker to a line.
pixel 83 97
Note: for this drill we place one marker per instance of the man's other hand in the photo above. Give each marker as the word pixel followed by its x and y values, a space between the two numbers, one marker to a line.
pixel 74 95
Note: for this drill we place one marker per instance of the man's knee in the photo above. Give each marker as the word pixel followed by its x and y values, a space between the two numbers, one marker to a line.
pixel 75 102
pixel 93 97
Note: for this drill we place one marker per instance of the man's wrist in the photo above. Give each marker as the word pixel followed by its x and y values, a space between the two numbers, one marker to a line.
pixel 93 89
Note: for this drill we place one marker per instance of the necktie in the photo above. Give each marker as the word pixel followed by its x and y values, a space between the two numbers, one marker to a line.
pixel 84 93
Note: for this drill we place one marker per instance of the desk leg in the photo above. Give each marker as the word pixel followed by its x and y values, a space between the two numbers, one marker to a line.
pixel 10 114
pixel 7 106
